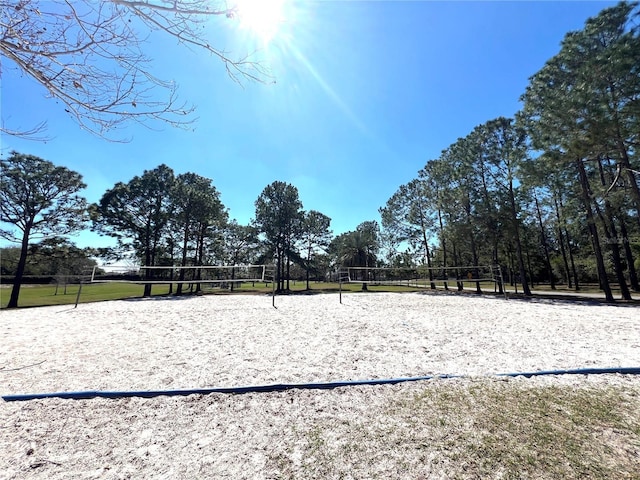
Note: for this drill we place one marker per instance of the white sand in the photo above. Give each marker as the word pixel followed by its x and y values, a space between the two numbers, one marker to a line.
pixel 218 341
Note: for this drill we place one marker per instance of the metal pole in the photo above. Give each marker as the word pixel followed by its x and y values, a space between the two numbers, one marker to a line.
pixel 504 287
pixel 78 296
pixel 273 291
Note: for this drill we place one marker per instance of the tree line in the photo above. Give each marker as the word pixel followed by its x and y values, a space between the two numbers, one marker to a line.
pixel 161 219
pixel 551 194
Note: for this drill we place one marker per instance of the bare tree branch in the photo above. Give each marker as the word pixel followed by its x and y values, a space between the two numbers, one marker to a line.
pixel 89 55
pixel 33 133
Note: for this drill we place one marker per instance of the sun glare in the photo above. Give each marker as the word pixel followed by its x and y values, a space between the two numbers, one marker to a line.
pixel 262 17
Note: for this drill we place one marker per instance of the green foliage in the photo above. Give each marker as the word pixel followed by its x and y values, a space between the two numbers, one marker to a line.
pixel 196 214
pixel 278 208
pixel 37 198
pixel 358 248
pixel 315 237
pixel 551 195
pixel 552 191
pixel 136 213
pixel 279 218
pixel 409 216
pixel 581 110
pixel 163 217
pixel 9 258
pixel 240 243
pixel 54 256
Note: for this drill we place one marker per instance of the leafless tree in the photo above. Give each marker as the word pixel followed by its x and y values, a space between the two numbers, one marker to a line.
pixel 90 56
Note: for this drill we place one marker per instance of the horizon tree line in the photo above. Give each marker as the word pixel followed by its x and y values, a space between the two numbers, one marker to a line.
pixel 163 218
pixel 551 195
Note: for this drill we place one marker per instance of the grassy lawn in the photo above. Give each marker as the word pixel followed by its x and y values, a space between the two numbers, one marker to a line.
pixel 43 295
pixel 479 429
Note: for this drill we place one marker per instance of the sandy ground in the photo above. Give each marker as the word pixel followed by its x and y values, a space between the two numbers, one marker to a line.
pixel 220 341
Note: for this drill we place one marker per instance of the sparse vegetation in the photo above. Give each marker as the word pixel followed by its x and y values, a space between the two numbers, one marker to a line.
pixel 478 429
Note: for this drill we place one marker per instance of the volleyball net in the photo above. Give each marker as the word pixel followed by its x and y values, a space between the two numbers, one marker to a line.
pixel 425 277
pixel 212 274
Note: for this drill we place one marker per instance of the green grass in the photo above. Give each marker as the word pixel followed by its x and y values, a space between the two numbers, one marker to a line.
pixel 478 429
pixel 43 295
pixel 325 287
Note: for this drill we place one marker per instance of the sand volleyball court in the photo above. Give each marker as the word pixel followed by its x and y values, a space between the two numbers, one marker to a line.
pixel 237 340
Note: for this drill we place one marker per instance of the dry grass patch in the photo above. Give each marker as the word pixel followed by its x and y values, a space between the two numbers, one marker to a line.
pixel 450 429
pixel 478 429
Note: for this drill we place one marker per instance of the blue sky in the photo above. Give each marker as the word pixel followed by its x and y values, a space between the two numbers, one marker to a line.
pixel 366 92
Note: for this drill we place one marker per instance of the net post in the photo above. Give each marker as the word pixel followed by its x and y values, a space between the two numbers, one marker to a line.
pixel 340 282
pixel 78 296
pixel 273 291
pixel 504 287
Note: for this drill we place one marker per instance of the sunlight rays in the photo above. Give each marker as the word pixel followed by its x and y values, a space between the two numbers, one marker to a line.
pixel 262 17
pixel 331 93
pixel 283 28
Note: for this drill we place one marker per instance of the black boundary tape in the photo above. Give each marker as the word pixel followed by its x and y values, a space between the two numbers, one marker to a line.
pixel 279 387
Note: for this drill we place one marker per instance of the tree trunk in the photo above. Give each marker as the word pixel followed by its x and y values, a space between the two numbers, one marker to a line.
pixel 147 275
pixel 545 244
pixel 288 272
pixel 172 269
pixel 365 287
pixel 426 249
pixel 455 262
pixel 183 261
pixel 611 234
pixel 203 231
pixel 625 163
pixel 633 275
pixel 593 231
pixel 279 269
pixel 308 264
pixel 147 259
pixel 574 271
pixel 633 182
pixel 288 261
pixel 512 268
pixel 428 253
pixel 476 261
pixel 443 242
pixel 561 242
pixel 492 223
pixel 22 262
pixel 474 249
pixel 516 233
